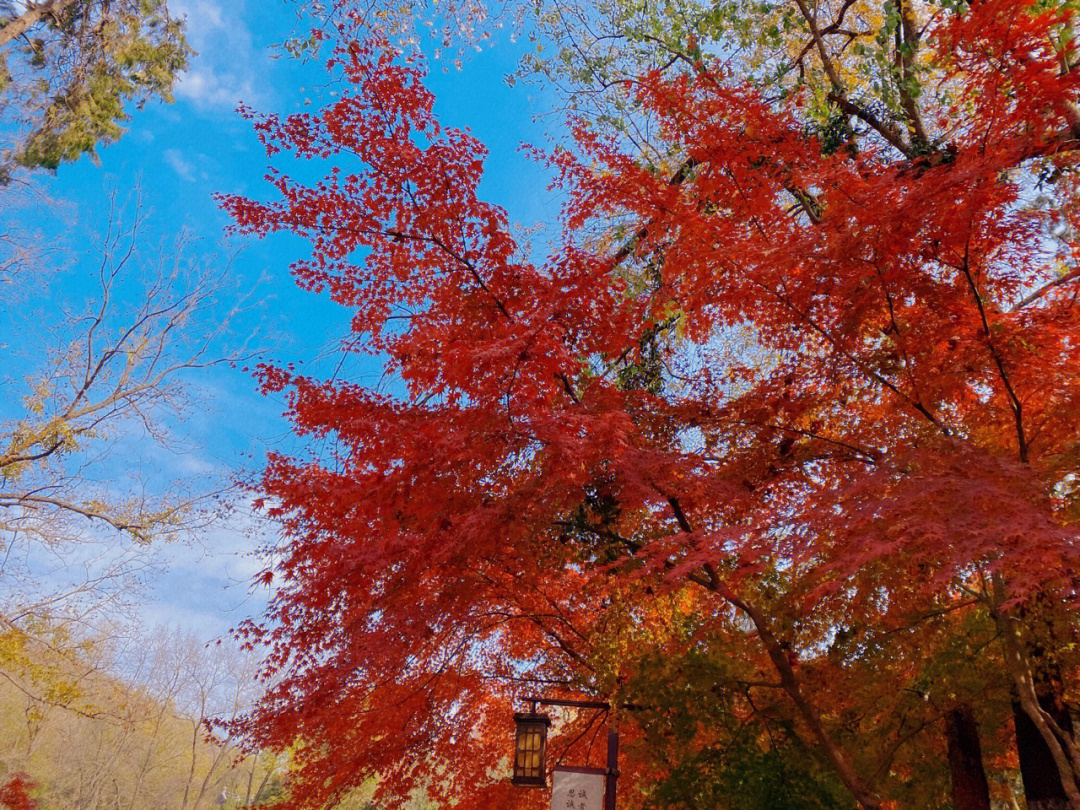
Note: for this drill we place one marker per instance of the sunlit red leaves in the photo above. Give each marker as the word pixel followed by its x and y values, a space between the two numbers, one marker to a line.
pixel 890 426
pixel 1011 59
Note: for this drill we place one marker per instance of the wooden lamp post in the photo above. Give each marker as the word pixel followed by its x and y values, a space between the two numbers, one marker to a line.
pixel 530 749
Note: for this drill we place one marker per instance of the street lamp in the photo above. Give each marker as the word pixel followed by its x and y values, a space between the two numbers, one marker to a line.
pixel 530 751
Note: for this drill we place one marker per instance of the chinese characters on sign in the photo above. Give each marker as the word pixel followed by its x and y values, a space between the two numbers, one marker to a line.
pixel 577 789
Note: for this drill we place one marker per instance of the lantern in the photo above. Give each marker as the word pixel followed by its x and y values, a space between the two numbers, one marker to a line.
pixel 530 769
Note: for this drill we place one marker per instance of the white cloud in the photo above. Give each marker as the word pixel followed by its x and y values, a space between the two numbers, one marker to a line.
pixel 208 88
pixel 205 16
pixel 183 168
pixel 231 550
pixel 228 65
pixel 208 583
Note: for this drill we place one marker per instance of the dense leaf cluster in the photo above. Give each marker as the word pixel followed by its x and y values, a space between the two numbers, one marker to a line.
pixel 70 68
pixel 791 459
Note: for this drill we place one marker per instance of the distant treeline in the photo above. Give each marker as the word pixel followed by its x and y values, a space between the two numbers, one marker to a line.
pixel 91 739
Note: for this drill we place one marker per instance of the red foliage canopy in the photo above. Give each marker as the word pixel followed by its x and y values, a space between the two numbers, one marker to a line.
pixel 858 367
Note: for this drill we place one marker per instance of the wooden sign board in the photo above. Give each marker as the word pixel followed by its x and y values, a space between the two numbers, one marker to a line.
pixel 577 789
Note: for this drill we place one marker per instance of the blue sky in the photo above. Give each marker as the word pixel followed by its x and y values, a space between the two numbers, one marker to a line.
pixel 181 154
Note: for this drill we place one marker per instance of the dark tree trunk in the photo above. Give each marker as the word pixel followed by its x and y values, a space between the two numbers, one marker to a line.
pixel 970 790
pixel 1042 782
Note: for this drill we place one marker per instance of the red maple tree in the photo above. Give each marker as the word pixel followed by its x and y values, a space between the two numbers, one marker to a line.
pixel 825 388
